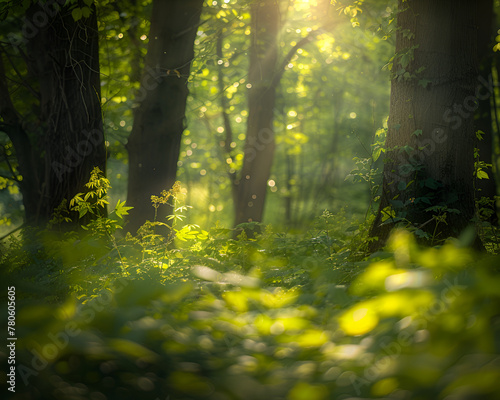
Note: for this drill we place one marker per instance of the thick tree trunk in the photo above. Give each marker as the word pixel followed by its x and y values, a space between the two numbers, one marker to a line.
pixel 56 159
pixel 260 144
pixel 431 111
pixel 159 121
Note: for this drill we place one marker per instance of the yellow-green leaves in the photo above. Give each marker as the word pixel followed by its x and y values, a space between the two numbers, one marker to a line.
pixel 359 320
pixel 189 233
pixel 121 209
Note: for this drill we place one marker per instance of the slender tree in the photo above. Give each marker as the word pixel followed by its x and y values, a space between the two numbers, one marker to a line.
pixel 259 145
pixel 159 120
pixel 429 162
pixel 60 139
pixel 265 73
pixel 486 188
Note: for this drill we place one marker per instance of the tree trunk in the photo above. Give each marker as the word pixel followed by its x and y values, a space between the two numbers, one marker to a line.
pixel 224 104
pixel 159 121
pixel 433 95
pixel 260 144
pixel 483 118
pixel 56 158
pixel 12 125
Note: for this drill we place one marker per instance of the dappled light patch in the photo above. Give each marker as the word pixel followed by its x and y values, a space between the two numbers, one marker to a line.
pixel 375 277
pixel 305 391
pixel 358 321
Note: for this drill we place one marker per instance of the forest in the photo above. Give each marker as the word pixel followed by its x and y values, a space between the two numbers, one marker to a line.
pixel 250 199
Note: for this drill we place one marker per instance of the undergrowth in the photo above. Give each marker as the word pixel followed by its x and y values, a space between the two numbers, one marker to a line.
pixel 195 314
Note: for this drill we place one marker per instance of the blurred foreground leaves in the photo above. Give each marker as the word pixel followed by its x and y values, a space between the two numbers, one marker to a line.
pixel 415 324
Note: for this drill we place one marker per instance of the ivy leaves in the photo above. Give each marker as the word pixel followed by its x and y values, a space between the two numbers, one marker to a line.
pixel 82 12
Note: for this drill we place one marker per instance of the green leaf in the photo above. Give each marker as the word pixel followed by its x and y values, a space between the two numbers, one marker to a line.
pixel 86 12
pixel 417 133
pixel 77 13
pixel 121 210
pixel 420 233
pixel 380 132
pixel 185 234
pixel 424 82
pixel 377 152
pixel 102 202
pixel 431 183
pixel 482 175
pixel 405 60
pixel 203 235
pixel 408 149
pixel 82 212
pixel 424 200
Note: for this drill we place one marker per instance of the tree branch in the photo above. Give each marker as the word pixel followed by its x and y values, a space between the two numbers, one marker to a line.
pixel 301 43
pixel 22 80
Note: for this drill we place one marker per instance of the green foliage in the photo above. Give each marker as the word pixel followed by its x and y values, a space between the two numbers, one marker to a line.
pixel 479 165
pixel 182 311
pixel 309 128
pixel 275 316
pixel 485 213
pixel 418 321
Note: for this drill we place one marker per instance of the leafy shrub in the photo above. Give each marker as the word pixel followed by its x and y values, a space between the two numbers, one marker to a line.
pixel 416 323
pixel 196 315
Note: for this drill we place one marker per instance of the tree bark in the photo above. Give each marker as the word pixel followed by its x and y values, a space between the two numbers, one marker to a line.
pixel 259 144
pixel 228 129
pixel 433 96
pixel 56 158
pixel 159 121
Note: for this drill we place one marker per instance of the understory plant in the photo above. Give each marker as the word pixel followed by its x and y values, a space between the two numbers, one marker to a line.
pixel 415 323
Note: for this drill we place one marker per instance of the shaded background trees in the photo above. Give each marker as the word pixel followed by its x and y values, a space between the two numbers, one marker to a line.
pixel 317 120
pixel 140 316
pixel 311 83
